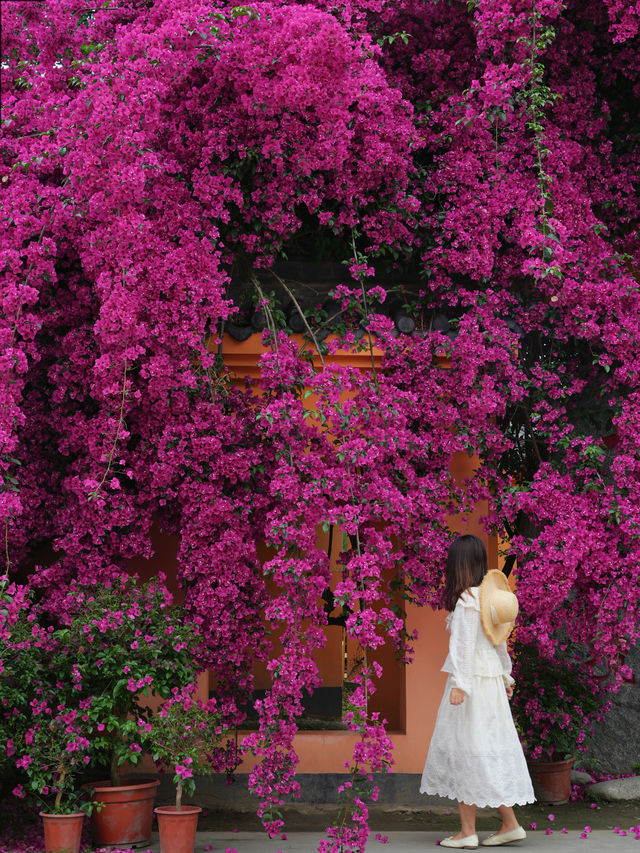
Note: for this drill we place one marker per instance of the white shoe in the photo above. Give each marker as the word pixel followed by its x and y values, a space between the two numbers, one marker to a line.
pixel 470 842
pixel 497 839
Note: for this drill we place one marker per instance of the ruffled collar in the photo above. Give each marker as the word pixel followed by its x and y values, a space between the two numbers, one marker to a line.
pixel 469 599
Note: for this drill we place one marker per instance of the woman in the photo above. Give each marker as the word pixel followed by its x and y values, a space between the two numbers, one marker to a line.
pixel 475 756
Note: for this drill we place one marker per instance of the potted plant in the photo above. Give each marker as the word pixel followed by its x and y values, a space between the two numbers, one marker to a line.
pixel 129 642
pixel 183 734
pixel 555 704
pixel 56 751
pixel 43 720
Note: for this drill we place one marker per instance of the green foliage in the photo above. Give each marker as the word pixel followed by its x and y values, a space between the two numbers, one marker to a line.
pixel 23 667
pixel 128 642
pixel 555 703
pixel 183 735
pixel 43 721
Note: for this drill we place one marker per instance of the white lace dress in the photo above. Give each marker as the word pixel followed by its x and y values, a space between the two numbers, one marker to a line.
pixel 475 755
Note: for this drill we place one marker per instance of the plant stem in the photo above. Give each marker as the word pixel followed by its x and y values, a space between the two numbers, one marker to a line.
pixel 267 310
pixel 6 551
pixel 295 302
pixel 112 451
pixel 114 771
pixel 62 775
pixel 366 311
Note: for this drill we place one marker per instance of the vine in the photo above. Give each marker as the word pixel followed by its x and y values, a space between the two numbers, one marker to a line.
pixel 481 162
pixel 538 98
pixel 94 494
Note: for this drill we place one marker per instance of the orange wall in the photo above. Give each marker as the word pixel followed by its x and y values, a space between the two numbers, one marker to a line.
pixel 409 694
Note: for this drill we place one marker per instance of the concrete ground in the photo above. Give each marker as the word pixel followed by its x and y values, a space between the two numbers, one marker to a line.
pixel 410 830
pixel 598 841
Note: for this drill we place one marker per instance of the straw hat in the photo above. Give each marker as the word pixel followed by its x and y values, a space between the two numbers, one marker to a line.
pixel 498 606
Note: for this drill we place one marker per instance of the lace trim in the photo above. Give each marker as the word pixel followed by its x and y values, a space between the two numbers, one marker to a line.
pixel 481 804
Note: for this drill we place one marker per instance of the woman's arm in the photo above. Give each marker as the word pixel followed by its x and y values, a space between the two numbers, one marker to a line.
pixel 505 661
pixel 462 648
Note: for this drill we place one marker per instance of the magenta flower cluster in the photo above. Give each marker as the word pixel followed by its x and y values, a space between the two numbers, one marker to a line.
pixel 153 153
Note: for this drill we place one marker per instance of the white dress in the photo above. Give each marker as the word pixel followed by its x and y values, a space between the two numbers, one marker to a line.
pixel 475 755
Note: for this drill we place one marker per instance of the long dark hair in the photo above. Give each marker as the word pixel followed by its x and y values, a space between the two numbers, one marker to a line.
pixel 466 566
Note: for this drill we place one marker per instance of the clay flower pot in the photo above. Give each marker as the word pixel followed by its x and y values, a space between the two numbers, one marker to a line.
pixel 127 812
pixel 551 780
pixel 177 829
pixel 62 832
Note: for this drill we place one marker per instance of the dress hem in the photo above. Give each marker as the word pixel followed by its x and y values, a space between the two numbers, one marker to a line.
pixel 481 804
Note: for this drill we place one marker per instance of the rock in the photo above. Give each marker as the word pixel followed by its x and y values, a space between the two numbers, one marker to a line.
pixel 615 746
pixel 616 743
pixel 579 777
pixel 627 788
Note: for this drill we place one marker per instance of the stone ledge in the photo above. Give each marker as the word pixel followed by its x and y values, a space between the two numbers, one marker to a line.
pixel 396 789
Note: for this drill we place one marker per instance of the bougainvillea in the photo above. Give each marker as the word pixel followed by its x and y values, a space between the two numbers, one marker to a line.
pixel 486 152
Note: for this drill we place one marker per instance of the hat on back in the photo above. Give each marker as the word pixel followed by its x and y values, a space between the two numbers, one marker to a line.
pixel 498 606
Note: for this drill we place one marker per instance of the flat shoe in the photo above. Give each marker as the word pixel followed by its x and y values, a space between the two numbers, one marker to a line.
pixel 498 839
pixel 469 843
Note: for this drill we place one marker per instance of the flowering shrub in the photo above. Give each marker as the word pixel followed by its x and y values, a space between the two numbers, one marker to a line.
pixel 126 642
pixel 44 724
pixel 184 734
pixel 485 151
pixel 56 750
pixel 555 704
pixel 69 690
pixel 23 667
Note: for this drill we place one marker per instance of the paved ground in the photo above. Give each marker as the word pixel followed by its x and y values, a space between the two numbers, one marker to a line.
pixel 415 830
pixel 409 829
pixel 430 818
pixel 408 842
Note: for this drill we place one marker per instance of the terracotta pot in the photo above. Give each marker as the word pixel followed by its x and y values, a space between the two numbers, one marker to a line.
pixel 551 780
pixel 177 829
pixel 62 832
pixel 127 814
